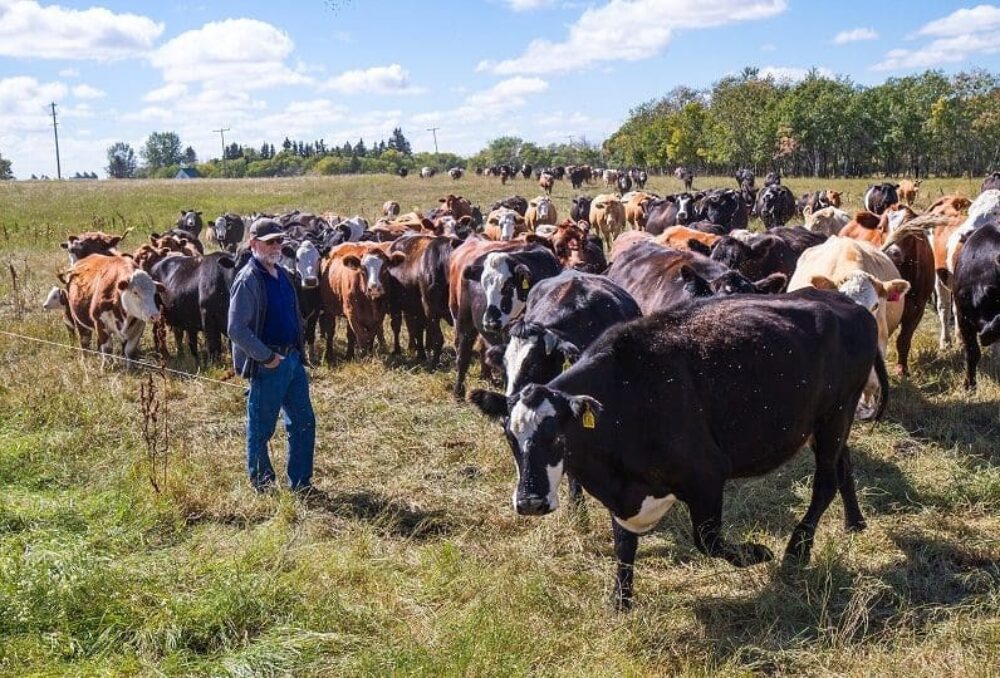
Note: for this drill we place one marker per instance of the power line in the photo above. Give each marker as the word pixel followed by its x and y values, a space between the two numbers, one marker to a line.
pixel 222 134
pixel 434 131
pixel 55 131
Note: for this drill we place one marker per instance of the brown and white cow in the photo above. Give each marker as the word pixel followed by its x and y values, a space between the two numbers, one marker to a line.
pixel 114 297
pixel 390 208
pixel 828 220
pixel 504 224
pixel 607 214
pixel 545 182
pixel 353 286
pixel 457 205
pixel 541 210
pixel 869 278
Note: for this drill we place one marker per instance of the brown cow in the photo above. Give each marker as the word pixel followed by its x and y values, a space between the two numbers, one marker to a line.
pixel 114 297
pixel 635 208
pixel 679 237
pixel 874 228
pixel 949 206
pixel 541 210
pixel 574 247
pixel 911 252
pixel 353 285
pixel 908 190
pixel 390 208
pixel 90 242
pixel 627 240
pixel 504 224
pixel 545 182
pixel 607 214
pixel 457 205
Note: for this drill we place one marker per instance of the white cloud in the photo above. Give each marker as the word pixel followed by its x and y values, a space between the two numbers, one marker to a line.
pixel 525 5
pixel 769 47
pixel 168 92
pixel 239 53
pixel 962 34
pixel 507 94
pixel 393 79
pixel 87 92
pixel 69 73
pixel 792 73
pixel 29 30
pixel 854 35
pixel 629 30
pixel 24 104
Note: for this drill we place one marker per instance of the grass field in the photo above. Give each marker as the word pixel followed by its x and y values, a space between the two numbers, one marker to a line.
pixel 411 560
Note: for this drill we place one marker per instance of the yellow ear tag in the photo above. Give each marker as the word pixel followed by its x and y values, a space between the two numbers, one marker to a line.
pixel 566 364
pixel 525 284
pixel 588 418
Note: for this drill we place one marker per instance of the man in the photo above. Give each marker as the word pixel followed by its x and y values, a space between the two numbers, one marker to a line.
pixel 266 332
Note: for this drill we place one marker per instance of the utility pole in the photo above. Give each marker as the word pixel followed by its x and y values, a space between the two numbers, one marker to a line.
pixel 222 134
pixel 434 131
pixel 55 131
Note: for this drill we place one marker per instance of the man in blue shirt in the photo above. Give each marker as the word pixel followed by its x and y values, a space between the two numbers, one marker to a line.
pixel 266 332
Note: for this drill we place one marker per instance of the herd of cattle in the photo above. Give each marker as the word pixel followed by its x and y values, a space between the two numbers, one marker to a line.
pixel 766 340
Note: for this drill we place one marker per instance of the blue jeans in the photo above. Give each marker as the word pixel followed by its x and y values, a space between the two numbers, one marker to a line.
pixel 285 388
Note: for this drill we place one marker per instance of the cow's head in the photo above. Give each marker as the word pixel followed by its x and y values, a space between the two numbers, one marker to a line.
pixel 138 296
pixel 544 209
pixel 535 355
pixel 868 291
pixel 190 221
pixel 55 299
pixel 833 197
pixel 91 242
pixel 506 286
pixel 305 259
pixel 687 210
pixel 536 422
pixel 734 282
pixel 507 220
pixel 730 252
pixel 375 264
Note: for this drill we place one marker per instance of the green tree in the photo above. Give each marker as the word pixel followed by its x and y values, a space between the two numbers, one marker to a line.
pixel 190 157
pixel 5 171
pixel 162 149
pixel 121 161
pixel 398 142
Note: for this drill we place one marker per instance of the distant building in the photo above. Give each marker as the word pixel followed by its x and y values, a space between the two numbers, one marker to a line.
pixel 187 173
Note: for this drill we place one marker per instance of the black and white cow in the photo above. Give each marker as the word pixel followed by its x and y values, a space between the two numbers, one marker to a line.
pixel 506 278
pixel 228 231
pixel 737 412
pixel 976 290
pixel 879 197
pixel 303 261
pixel 672 210
pixel 773 178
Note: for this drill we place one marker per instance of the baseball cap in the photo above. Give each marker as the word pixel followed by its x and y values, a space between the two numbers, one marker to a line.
pixel 266 230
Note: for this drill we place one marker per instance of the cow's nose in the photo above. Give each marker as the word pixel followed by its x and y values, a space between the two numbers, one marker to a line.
pixel 310 283
pixel 532 505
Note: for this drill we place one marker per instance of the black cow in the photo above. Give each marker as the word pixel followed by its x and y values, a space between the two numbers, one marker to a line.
pixel 640 179
pixel 228 231
pixel 880 197
pixel 659 278
pixel 798 238
pixel 577 175
pixel 773 178
pixel 402 172
pixel 991 182
pixel 775 205
pixel 514 202
pixel 559 172
pixel 624 183
pixel 672 406
pixel 190 221
pixel 745 177
pixel 758 257
pixel 197 299
pixel 526 171
pixel 724 207
pixel 580 208
pixel 976 289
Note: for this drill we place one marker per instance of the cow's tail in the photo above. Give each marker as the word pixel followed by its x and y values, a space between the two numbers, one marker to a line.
pixel 883 382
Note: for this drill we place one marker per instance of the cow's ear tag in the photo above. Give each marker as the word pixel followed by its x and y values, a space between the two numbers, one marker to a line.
pixel 566 365
pixel 525 284
pixel 588 419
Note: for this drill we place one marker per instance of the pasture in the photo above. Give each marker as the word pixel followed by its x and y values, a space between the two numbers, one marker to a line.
pixel 411 559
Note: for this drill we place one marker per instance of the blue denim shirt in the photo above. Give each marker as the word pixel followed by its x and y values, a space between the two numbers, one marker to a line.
pixel 247 311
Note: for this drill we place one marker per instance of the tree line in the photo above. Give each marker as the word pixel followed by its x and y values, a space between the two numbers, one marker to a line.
pixel 820 126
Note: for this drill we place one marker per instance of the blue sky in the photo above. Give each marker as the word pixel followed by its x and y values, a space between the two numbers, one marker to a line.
pixel 344 69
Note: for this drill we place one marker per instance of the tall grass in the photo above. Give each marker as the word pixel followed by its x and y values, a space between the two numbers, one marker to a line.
pixel 411 560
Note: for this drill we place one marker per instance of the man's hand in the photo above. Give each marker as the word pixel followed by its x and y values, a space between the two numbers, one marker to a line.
pixel 274 362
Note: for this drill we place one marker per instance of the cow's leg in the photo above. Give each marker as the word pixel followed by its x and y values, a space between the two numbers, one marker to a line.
pixel 829 443
pixel 703 495
pixel 310 325
pixel 192 336
pixel 854 521
pixel 213 337
pixel 626 544
pixel 435 342
pixel 178 339
pixel 945 311
pixel 396 324
pixel 575 492
pixel 416 323
pixel 351 340
pixel 911 318
pixel 970 341
pixel 464 341
pixel 328 326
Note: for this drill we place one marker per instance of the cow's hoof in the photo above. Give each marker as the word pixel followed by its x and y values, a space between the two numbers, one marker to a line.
pixel 621 602
pixel 745 555
pixel 855 526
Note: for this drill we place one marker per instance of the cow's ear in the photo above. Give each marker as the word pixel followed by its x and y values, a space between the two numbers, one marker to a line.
pixel 772 284
pixel 474 272
pixel 65 245
pixel 114 240
pixel 585 409
pixel 699 247
pixel 227 262
pixel 465 221
pixel 351 261
pixel 895 289
pixel 821 282
pixel 123 285
pixel 490 403
pixel 570 351
pixel 396 258
pixel 288 251
pixel 524 274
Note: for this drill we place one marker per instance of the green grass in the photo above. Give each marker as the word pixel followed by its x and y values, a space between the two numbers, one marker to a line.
pixel 412 561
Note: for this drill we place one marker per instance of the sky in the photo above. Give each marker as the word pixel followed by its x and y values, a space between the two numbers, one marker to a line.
pixel 548 71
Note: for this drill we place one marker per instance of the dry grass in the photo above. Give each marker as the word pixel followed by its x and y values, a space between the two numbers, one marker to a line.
pixel 411 561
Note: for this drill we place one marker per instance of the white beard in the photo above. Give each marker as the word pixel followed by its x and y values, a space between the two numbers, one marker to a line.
pixel 268 259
